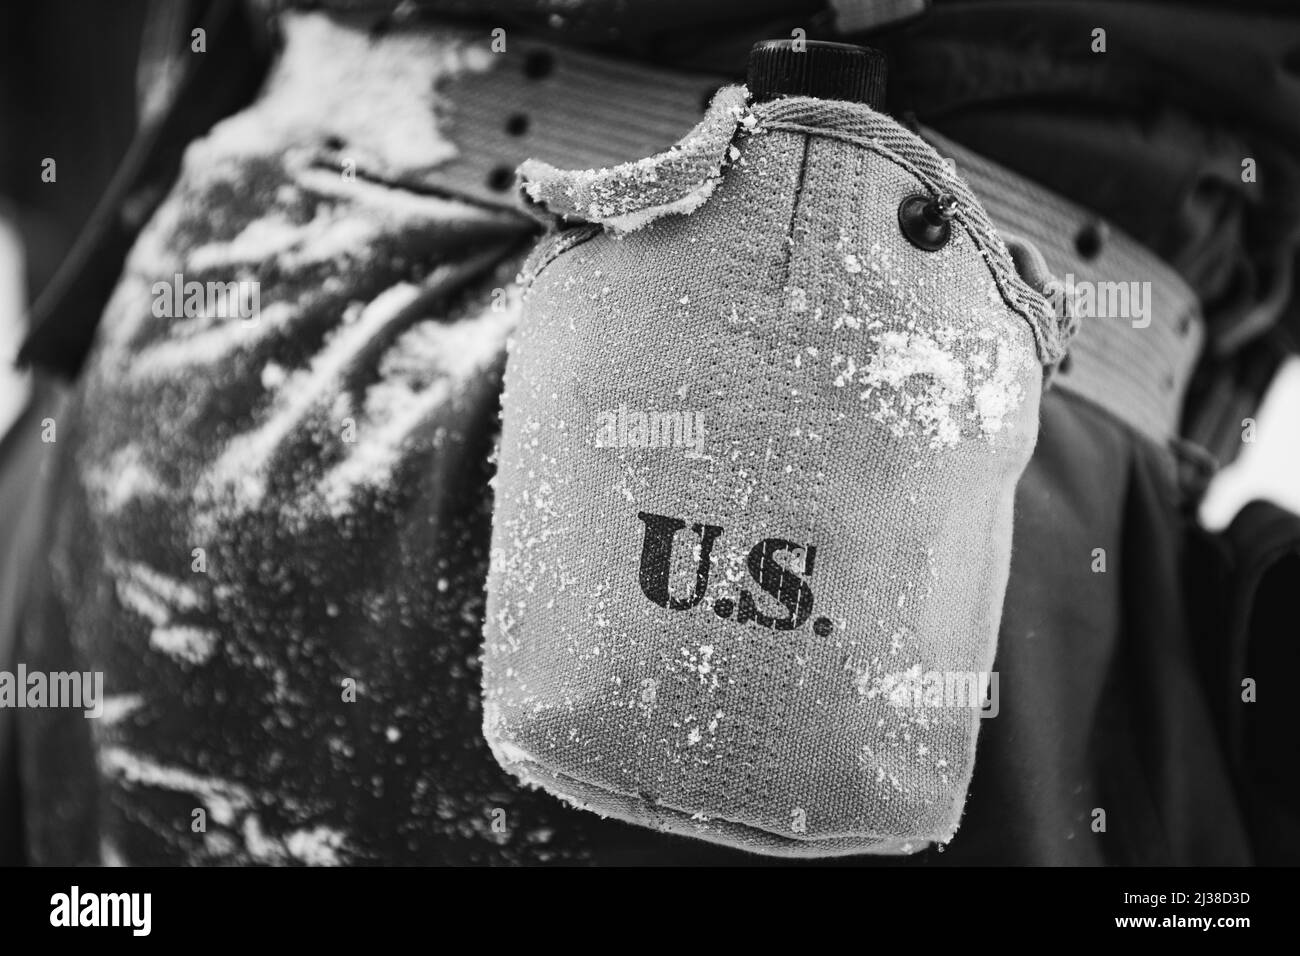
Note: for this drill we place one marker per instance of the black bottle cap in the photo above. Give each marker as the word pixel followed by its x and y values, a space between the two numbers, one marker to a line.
pixel 829 71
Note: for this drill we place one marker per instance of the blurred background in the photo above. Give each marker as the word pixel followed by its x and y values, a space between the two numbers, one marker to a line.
pixel 68 90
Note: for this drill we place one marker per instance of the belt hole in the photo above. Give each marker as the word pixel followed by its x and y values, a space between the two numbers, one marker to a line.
pixel 1090 239
pixel 500 179
pixel 517 125
pixel 538 64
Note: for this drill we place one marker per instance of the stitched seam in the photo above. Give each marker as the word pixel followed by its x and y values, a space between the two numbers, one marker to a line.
pixel 794 212
pixel 551 248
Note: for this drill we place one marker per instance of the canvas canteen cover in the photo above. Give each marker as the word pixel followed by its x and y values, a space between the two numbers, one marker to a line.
pixel 763 421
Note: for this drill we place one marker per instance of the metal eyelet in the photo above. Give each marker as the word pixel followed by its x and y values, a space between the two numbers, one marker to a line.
pixel 927 220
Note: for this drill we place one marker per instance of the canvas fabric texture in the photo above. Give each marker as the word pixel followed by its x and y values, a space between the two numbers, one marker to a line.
pixel 753 505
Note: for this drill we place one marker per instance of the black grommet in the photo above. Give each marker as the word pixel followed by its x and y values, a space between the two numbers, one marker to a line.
pixel 517 125
pixel 334 143
pixel 538 64
pixel 1090 239
pixel 927 220
pixel 1063 366
pixel 501 178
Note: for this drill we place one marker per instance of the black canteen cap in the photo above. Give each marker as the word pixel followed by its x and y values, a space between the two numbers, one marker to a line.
pixel 829 71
